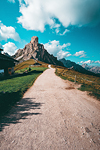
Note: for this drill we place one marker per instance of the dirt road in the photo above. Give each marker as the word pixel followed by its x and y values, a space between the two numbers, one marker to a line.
pixel 53 115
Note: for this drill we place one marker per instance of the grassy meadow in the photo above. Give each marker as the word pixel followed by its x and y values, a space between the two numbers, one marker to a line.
pixel 29 63
pixel 13 87
pixel 88 82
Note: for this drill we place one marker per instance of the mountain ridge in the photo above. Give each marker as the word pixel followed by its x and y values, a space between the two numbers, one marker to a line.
pixel 72 65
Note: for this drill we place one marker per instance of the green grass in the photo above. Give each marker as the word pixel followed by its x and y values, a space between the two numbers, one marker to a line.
pixel 32 69
pixel 91 89
pixel 12 90
pixel 88 83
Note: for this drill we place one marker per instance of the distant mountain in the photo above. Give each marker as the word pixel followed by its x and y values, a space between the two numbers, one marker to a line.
pixel 72 65
pixel 94 69
pixel 85 66
pixel 36 51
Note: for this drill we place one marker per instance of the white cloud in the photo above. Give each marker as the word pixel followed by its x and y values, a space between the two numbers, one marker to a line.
pixel 56 27
pixel 57 30
pixel 98 61
pixel 90 62
pixel 8 33
pixel 81 62
pixel 11 1
pixel 10 48
pixel 62 54
pixel 80 53
pixel 68 55
pixel 38 13
pixel 66 30
pixel 54 47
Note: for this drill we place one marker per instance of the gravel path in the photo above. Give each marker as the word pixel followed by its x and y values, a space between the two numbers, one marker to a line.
pixel 53 115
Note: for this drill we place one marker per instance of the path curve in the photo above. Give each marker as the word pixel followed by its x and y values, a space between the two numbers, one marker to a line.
pixel 52 116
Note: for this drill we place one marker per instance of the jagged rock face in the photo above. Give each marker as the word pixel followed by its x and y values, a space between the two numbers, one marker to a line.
pixel 34 50
pixel 34 40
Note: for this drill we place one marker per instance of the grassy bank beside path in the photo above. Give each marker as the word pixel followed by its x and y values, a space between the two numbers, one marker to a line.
pixel 88 82
pixel 12 89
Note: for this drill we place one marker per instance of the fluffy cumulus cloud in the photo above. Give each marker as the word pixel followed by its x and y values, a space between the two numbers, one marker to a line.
pixel 10 48
pixel 8 33
pixel 35 14
pixel 54 47
pixel 62 54
pixel 80 53
pixel 90 62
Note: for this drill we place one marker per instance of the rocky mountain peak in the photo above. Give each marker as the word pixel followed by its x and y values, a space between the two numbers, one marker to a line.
pixel 35 50
pixel 34 40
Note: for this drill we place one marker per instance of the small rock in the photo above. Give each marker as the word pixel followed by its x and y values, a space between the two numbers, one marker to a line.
pixel 87 130
pixel 13 141
pixel 91 123
pixel 91 140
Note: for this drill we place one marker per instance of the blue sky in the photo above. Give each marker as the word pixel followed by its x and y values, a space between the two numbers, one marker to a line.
pixel 68 29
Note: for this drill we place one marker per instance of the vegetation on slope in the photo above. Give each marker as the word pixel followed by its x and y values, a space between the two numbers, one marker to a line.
pixel 29 63
pixel 88 82
pixel 13 88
